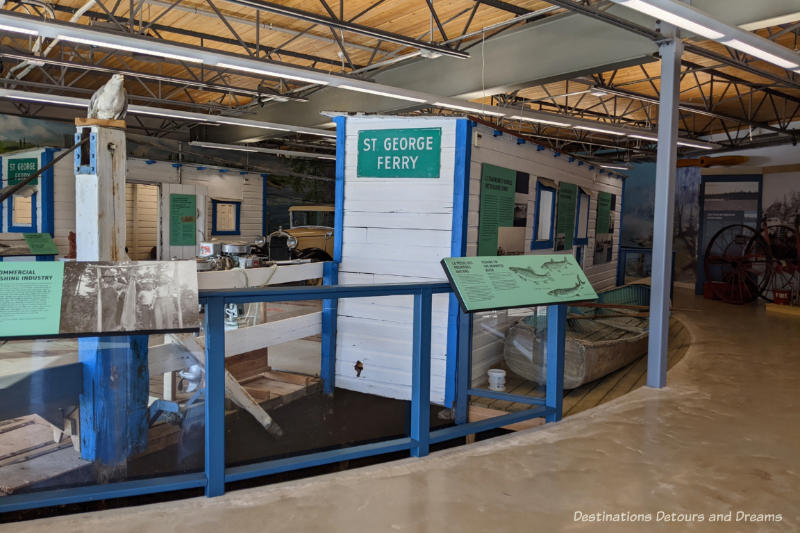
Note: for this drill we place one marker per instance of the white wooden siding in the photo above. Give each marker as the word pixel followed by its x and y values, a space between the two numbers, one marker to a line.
pixel 505 152
pixel 394 231
pixel 230 185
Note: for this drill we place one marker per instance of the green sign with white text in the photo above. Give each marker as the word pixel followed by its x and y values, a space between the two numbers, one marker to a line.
pixel 182 219
pixel 31 296
pixel 400 153
pixel 19 169
pixel 486 283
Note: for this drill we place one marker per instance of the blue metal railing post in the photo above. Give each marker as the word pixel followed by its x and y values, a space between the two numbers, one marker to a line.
pixel 215 397
pixel 556 333
pixel 421 374
pixel 463 367
pixel 330 308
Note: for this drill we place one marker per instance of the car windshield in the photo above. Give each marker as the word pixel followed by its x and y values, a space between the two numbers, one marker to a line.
pixel 312 218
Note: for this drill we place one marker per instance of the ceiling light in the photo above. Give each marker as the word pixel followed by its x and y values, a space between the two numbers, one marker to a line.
pixel 671 18
pixel 246 125
pixel 469 109
pixel 14 29
pixel 133 49
pixel 598 93
pixel 542 121
pixel 272 73
pixel 643 137
pixel 599 130
pixel 222 146
pixel 692 145
pixel 156 112
pixel 48 100
pixel 612 167
pixel 380 93
pixel 759 53
pixel 272 151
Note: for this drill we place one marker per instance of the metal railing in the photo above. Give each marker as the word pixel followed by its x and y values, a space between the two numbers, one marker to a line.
pixel 215 474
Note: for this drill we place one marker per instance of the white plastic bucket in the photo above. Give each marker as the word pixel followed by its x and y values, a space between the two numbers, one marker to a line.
pixel 497 379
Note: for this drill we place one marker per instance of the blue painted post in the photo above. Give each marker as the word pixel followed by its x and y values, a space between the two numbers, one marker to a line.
pixel 215 397
pixel 330 276
pixel 556 332
pixel 463 367
pixel 113 401
pixel 421 374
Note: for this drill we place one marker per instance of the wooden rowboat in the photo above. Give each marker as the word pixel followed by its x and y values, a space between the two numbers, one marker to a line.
pixel 601 338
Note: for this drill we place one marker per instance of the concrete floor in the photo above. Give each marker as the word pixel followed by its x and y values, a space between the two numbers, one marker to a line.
pixel 723 437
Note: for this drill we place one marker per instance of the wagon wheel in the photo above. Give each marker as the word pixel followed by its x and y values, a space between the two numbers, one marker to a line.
pixel 738 264
pixel 783 246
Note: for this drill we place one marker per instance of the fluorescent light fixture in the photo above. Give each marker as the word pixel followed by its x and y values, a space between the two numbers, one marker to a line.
pixel 598 93
pixel 49 100
pixel 761 54
pixel 14 29
pixel 273 151
pixel 643 137
pixel 223 147
pixel 599 130
pixel 542 121
pixel 380 93
pixel 612 167
pixel 671 18
pixel 261 126
pixel 136 50
pixel 692 145
pixel 469 109
pixel 166 113
pixel 273 73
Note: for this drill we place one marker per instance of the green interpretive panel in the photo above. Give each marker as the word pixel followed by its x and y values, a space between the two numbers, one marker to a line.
pixel 19 169
pixel 603 212
pixel 41 244
pixel 565 219
pixel 485 283
pixel 31 296
pixel 400 153
pixel 182 219
pixel 498 188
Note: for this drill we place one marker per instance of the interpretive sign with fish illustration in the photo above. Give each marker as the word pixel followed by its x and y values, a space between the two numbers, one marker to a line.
pixel 483 283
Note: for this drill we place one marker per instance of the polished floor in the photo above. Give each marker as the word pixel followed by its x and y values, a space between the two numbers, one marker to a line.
pixel 723 437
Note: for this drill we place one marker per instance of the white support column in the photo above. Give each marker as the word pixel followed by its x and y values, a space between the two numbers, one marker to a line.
pixel 100 198
pixel 664 209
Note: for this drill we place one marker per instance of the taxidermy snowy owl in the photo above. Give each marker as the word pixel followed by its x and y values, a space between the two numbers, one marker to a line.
pixel 109 101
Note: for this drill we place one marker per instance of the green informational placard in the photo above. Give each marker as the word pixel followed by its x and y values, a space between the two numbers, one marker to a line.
pixel 485 283
pixel 182 219
pixel 603 212
pixel 498 187
pixel 41 244
pixel 31 296
pixel 403 153
pixel 565 220
pixel 19 169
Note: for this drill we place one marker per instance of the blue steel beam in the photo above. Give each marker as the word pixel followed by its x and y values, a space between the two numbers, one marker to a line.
pixel 215 397
pixel 556 334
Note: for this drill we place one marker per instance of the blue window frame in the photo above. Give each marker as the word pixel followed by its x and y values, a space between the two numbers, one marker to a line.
pixel 17 227
pixel 544 217
pixel 582 218
pixel 225 217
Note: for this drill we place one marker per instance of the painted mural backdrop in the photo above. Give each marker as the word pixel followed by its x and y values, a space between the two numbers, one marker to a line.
pixel 19 133
pixel 638 208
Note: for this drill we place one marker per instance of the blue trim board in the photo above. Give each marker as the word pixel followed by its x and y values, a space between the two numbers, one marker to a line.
pixel 621 222
pixel 338 214
pixel 458 246
pixel 214 205
pixel 543 245
pixel 47 189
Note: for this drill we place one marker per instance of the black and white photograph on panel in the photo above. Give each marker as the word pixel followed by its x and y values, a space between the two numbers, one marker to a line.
pixel 139 296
